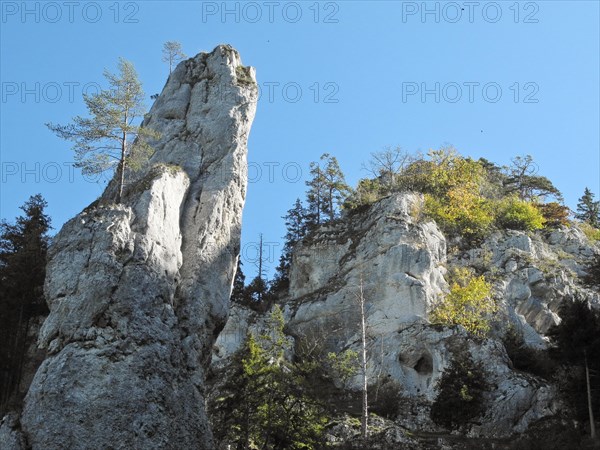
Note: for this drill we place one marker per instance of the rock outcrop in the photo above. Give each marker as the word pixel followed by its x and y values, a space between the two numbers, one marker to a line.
pixel 534 273
pixel 139 290
pixel 401 262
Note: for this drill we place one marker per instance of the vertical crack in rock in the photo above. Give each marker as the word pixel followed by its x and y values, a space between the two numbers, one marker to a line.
pixel 138 291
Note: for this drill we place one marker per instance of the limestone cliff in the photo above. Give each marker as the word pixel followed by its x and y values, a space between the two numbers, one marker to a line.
pixel 138 291
pixel 402 261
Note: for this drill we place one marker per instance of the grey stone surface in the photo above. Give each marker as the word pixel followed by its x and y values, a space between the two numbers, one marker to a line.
pixel 402 262
pixel 138 291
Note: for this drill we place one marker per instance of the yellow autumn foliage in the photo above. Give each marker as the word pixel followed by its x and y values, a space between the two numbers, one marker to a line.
pixel 469 303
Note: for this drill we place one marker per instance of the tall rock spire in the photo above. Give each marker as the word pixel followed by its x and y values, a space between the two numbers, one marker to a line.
pixel 138 291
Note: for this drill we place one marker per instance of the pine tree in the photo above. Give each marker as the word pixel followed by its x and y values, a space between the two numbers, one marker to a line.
pixel 327 190
pixel 238 293
pixel 335 185
pixel 295 222
pixel 256 291
pixel 172 53
pixel 315 196
pixel 460 392
pixel 588 210
pixel 109 139
pixel 521 179
pixel 268 403
pixel 23 248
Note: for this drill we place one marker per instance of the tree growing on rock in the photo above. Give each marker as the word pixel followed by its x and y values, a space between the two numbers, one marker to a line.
pixel 522 180
pixel 256 292
pixel 172 53
pixel 238 293
pixel 327 190
pixel 295 222
pixel 364 423
pixel 588 210
pixel 469 303
pixel 109 139
pixel 386 165
pixel 460 392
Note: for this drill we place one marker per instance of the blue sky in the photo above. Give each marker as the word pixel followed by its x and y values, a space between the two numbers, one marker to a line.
pixel 500 78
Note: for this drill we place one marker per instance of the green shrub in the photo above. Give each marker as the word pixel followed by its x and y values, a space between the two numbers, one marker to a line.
pixel 367 192
pixel 385 398
pixel 469 303
pixel 460 212
pixel 516 214
pixel 592 278
pixel 343 365
pixel 460 392
pixel 593 234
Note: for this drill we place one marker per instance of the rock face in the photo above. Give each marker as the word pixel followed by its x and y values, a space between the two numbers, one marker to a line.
pixel 402 262
pixel 399 260
pixel 534 272
pixel 138 291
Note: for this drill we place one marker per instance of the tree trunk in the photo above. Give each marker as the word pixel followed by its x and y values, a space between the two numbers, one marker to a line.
pixel 122 167
pixel 589 398
pixel 260 266
pixel 364 425
pixel 331 212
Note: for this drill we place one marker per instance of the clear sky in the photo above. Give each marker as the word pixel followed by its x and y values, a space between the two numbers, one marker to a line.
pixel 494 79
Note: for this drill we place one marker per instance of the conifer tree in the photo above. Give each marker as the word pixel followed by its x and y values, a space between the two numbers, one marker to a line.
pixel 588 210
pixel 268 402
pixel 315 196
pixel 327 189
pixel 460 392
pixel 238 293
pixel 172 53
pixel 257 289
pixel 110 139
pixel 23 248
pixel 295 222
pixel 336 188
pixel 522 179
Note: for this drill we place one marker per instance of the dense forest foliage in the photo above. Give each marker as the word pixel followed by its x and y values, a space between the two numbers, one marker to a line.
pixel 23 247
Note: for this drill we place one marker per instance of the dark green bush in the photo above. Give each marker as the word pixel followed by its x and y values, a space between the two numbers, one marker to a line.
pixel 460 392
pixel 386 398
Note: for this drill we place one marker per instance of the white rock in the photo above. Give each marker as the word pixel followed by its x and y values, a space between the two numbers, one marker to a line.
pixel 138 291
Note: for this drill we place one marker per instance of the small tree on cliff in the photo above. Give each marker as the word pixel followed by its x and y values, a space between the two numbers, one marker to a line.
pixel 256 291
pixel 295 222
pixel 172 53
pixel 387 164
pixel 238 293
pixel 588 210
pixel 460 392
pixel 327 190
pixel 109 139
